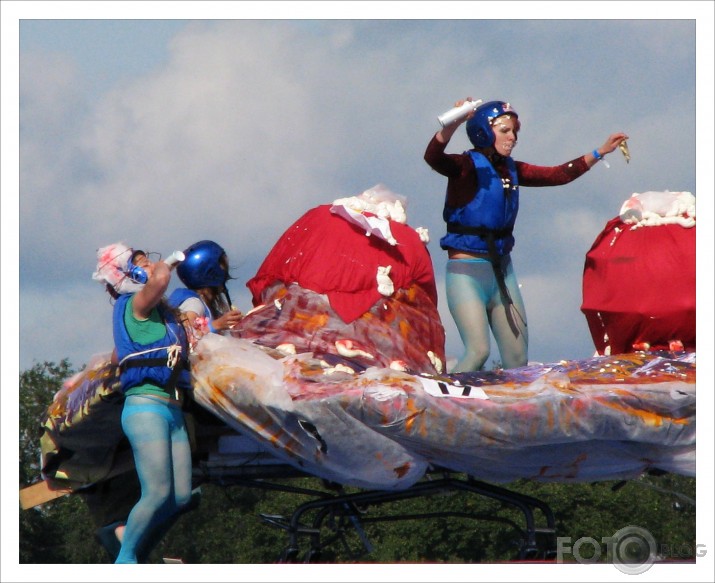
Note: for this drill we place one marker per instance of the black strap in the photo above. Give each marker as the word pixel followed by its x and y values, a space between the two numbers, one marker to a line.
pixel 482 232
pixel 496 261
pixel 137 362
pixel 175 372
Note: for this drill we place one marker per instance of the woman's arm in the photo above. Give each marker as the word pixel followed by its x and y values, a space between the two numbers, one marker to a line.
pixel 446 164
pixel 150 295
pixel 446 133
pixel 531 175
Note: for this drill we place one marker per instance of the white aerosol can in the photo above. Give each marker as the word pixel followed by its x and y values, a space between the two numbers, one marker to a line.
pixel 458 113
pixel 174 258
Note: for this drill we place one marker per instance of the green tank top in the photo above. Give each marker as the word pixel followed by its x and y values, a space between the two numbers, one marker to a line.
pixel 145 332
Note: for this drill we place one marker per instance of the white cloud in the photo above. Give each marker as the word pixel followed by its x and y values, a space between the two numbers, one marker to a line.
pixel 557 328
pixel 82 329
pixel 245 125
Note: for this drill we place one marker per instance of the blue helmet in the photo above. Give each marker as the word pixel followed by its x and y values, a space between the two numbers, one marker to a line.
pixel 479 126
pixel 202 266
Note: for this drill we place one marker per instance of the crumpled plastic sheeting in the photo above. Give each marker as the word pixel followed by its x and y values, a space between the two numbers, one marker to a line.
pixel 404 327
pixel 246 388
pixel 655 208
pixel 82 426
pixel 597 419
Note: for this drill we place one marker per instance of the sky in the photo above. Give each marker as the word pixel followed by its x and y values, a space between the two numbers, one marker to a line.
pixel 160 124
pixel 161 133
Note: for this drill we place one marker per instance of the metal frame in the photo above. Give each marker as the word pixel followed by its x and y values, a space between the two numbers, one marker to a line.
pixel 334 512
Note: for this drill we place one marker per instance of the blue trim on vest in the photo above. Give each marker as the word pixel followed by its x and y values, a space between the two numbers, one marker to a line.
pixel 180 295
pixel 159 375
pixel 489 209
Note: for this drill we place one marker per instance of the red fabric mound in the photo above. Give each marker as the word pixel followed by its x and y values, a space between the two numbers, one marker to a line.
pixel 317 289
pixel 639 288
pixel 329 255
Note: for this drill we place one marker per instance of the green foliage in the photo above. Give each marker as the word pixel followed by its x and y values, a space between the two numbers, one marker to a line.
pixel 37 388
pixel 663 505
pixel 227 527
pixel 52 533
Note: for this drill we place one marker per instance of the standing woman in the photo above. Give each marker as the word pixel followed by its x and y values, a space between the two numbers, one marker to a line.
pixel 480 210
pixel 151 350
pixel 205 298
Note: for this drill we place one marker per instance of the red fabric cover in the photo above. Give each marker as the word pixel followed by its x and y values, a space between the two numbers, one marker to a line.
pixel 327 254
pixel 639 287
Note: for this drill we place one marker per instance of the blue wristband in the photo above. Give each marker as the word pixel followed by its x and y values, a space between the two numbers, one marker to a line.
pixel 597 155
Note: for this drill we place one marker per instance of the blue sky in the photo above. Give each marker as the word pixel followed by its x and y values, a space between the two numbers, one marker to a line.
pixel 93 47
pixel 149 124
pixel 160 133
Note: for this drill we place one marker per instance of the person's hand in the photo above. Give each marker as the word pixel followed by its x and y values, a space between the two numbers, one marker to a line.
pixel 612 143
pixel 470 115
pixel 228 320
pixel 446 133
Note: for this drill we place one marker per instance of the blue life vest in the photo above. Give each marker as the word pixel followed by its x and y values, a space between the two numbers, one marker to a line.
pixel 490 213
pixel 181 294
pixel 149 363
pixel 178 297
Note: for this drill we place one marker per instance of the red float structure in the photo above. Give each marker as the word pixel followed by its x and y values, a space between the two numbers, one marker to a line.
pixel 639 276
pixel 337 373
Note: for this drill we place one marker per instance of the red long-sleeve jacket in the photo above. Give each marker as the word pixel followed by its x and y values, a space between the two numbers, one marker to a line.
pixel 462 177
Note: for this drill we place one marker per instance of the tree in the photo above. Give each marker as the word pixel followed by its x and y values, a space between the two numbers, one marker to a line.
pixel 52 533
pixel 37 388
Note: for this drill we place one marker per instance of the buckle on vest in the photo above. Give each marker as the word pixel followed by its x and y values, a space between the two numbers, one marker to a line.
pixel 172 355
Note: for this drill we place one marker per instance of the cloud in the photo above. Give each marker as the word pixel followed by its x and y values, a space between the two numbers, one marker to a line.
pixel 243 125
pixel 67 325
pixel 555 318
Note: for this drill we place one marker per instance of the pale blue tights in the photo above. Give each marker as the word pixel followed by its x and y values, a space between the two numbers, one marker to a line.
pixel 476 306
pixel 162 455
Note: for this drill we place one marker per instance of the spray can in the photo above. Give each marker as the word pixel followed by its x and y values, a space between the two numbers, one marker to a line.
pixel 458 113
pixel 174 258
